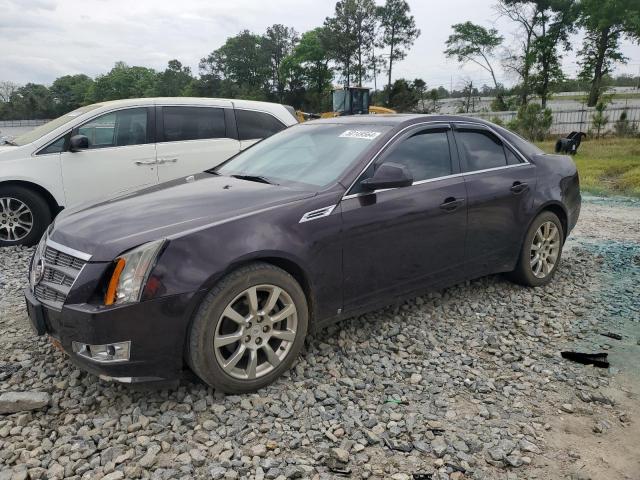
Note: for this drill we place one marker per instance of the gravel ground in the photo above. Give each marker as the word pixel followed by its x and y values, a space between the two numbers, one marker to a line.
pixel 462 383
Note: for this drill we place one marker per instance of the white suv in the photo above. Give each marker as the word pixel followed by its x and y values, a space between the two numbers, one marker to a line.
pixel 111 148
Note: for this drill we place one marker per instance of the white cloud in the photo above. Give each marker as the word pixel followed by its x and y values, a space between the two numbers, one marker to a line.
pixel 43 39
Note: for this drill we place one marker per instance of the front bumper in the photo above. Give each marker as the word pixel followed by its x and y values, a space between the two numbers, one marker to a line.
pixel 156 328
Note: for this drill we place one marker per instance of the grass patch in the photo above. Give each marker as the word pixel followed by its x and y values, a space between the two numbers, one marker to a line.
pixel 607 166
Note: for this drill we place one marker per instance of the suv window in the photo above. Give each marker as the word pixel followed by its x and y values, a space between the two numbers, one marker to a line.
pixel 255 125
pixel 426 154
pixel 117 129
pixel 193 123
pixel 482 150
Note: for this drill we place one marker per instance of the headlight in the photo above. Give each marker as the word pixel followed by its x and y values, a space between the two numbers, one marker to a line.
pixel 131 272
pixel 37 263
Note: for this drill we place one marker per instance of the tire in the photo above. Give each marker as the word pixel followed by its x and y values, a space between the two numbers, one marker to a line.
pixel 529 272
pixel 225 318
pixel 35 211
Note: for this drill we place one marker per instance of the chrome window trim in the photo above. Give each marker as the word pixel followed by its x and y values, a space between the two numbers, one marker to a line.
pixel 417 182
pixel 420 182
pixel 68 250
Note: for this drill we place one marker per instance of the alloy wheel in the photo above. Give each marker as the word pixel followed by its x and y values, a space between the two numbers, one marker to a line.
pixel 545 249
pixel 256 332
pixel 16 219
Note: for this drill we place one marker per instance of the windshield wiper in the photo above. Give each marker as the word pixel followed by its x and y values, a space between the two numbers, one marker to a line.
pixel 254 178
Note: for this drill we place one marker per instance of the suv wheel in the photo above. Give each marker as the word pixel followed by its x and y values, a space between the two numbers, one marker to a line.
pixel 541 251
pixel 24 216
pixel 249 329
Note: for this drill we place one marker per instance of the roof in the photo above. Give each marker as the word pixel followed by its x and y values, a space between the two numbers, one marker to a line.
pixel 186 101
pixel 396 119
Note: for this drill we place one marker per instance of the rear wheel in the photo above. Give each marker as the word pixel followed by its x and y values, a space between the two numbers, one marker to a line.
pixel 541 251
pixel 249 329
pixel 24 216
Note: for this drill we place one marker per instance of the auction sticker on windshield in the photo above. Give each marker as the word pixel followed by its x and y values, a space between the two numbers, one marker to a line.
pixel 365 134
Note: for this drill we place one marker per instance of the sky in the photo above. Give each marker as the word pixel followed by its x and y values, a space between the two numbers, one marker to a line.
pixel 44 39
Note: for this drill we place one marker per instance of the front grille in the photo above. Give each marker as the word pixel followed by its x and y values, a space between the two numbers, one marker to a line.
pixel 60 272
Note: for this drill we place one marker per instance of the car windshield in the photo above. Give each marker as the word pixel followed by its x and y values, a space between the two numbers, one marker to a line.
pixel 307 154
pixel 49 127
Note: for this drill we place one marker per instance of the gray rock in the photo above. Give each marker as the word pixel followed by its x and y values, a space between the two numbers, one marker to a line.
pixel 217 472
pixel 13 402
pixel 439 446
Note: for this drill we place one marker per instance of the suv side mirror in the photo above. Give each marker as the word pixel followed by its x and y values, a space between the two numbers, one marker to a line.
pixel 78 142
pixel 388 175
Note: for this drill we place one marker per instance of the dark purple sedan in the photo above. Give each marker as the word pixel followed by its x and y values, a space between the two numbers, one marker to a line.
pixel 227 270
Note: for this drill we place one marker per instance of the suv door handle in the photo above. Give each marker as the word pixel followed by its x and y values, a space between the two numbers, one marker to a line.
pixel 451 203
pixel 145 162
pixel 519 187
pixel 167 160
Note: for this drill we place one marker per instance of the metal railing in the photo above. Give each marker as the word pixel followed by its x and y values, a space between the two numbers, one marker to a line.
pixel 565 121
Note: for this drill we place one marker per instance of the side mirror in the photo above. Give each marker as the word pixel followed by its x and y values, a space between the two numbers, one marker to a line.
pixel 78 142
pixel 388 175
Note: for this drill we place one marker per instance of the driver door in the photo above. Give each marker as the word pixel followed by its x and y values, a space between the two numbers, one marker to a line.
pixel 402 239
pixel 121 157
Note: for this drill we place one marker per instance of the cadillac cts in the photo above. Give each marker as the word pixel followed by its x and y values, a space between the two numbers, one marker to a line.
pixel 227 270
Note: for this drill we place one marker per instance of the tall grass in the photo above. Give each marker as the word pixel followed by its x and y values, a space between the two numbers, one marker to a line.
pixel 607 166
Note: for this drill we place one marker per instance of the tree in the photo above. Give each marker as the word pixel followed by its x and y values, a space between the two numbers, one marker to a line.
pixel 70 92
pixel 349 38
pixel 309 62
pixel 476 44
pixel 32 101
pixel 399 32
pixel 6 90
pixel 242 64
pixel 404 96
pixel 175 79
pixel 123 81
pixel 527 15
pixel 605 22
pixel 279 42
pixel 545 26
pixel 599 119
pixel 532 122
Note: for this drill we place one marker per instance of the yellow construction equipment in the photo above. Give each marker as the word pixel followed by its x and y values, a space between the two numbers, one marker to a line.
pixel 347 101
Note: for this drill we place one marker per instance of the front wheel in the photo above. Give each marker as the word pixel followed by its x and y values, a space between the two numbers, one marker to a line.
pixel 24 216
pixel 541 251
pixel 249 329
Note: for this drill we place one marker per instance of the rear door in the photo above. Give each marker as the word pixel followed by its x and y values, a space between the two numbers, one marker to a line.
pixel 500 185
pixel 253 126
pixel 121 156
pixel 192 139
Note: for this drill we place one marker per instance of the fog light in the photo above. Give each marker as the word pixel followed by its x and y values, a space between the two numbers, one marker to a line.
pixel 110 352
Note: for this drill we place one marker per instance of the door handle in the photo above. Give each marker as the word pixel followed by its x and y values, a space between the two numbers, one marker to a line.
pixel 451 203
pixel 145 162
pixel 519 187
pixel 167 160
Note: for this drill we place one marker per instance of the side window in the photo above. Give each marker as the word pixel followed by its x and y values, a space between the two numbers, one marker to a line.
pixel 55 147
pixel 482 150
pixel 117 129
pixel 426 154
pixel 512 158
pixel 193 123
pixel 256 125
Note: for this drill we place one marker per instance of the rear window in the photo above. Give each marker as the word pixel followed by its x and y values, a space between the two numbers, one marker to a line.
pixel 255 125
pixel 193 123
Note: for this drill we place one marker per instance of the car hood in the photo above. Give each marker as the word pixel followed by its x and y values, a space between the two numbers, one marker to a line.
pixel 107 229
